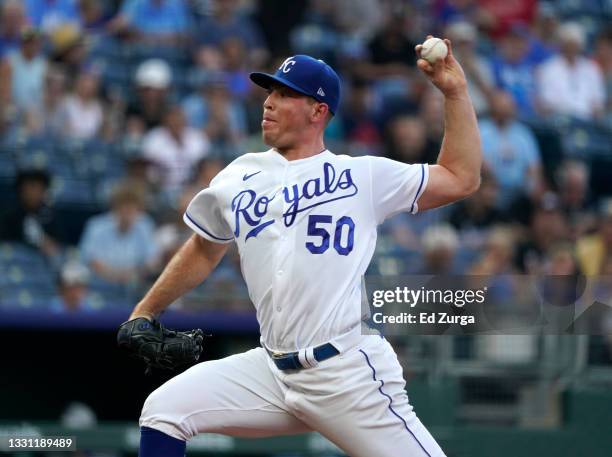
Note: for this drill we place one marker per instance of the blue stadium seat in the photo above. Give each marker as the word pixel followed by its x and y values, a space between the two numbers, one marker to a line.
pixel 104 160
pixel 73 191
pixel 111 295
pixel 175 56
pixel 32 144
pixel 64 168
pixel 315 40
pixel 464 258
pixel 37 158
pixel 21 297
pixel 571 8
pixel 26 278
pixel 8 144
pixel 385 241
pixel 397 263
pixel 104 165
pixel 182 82
pixel 117 75
pixel 33 152
pixel 106 48
pixel 74 149
pixel 3 279
pixel 7 166
pixel 40 279
pixel 21 254
pixel 585 140
pixel 14 275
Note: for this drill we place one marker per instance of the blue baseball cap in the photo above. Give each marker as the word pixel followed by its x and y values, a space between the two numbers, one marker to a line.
pixel 306 75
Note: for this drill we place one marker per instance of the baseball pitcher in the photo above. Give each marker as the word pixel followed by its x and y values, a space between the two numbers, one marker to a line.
pixel 304 221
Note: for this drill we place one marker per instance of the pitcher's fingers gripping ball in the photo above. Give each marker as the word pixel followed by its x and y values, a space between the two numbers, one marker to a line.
pixel 434 49
pixel 440 67
pixel 158 346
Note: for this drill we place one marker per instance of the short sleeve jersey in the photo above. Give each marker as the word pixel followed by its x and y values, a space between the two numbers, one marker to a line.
pixel 306 231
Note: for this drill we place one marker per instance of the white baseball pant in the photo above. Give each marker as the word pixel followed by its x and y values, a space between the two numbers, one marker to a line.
pixel 355 399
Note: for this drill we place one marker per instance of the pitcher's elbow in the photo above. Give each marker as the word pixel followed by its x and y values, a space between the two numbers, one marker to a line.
pixel 471 185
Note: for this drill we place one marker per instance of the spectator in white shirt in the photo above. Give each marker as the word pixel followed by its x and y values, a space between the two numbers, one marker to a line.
pixel 82 111
pixel 602 54
pixel 22 79
pixel 175 148
pixel 571 84
pixel 480 77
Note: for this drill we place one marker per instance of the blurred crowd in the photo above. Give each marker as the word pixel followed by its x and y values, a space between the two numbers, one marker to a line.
pixel 113 114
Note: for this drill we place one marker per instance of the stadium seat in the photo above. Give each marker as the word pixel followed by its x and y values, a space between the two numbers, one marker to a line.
pixel 110 294
pixel 22 270
pixel 22 254
pixel 106 48
pixel 464 258
pixel 117 75
pixel 73 191
pixel 571 9
pixel 175 56
pixel 7 166
pixel 25 298
pixel 585 140
pixel 399 262
pixel 104 160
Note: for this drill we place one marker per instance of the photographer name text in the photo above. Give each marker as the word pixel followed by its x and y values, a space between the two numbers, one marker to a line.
pixel 423 318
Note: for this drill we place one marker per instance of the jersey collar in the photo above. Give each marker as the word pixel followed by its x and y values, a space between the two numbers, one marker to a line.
pixel 315 158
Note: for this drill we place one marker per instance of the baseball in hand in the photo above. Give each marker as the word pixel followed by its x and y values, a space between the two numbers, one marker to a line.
pixel 433 49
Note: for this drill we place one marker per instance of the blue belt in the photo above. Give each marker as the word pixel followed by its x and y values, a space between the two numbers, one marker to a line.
pixel 291 360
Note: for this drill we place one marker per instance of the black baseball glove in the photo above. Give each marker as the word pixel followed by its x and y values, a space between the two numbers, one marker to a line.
pixel 158 346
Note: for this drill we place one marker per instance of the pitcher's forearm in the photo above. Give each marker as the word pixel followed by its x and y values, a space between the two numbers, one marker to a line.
pixel 461 151
pixel 189 267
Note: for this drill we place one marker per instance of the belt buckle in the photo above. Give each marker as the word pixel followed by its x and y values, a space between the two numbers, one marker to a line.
pixel 277 355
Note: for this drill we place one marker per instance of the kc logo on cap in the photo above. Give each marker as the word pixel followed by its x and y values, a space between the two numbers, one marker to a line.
pixel 307 75
pixel 287 64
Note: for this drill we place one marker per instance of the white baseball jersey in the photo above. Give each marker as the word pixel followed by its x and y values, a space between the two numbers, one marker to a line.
pixel 306 232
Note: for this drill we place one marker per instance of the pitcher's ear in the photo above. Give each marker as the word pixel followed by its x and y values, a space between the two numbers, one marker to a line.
pixel 321 110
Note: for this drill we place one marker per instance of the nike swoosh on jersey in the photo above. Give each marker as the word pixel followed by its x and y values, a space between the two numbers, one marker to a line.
pixel 247 176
